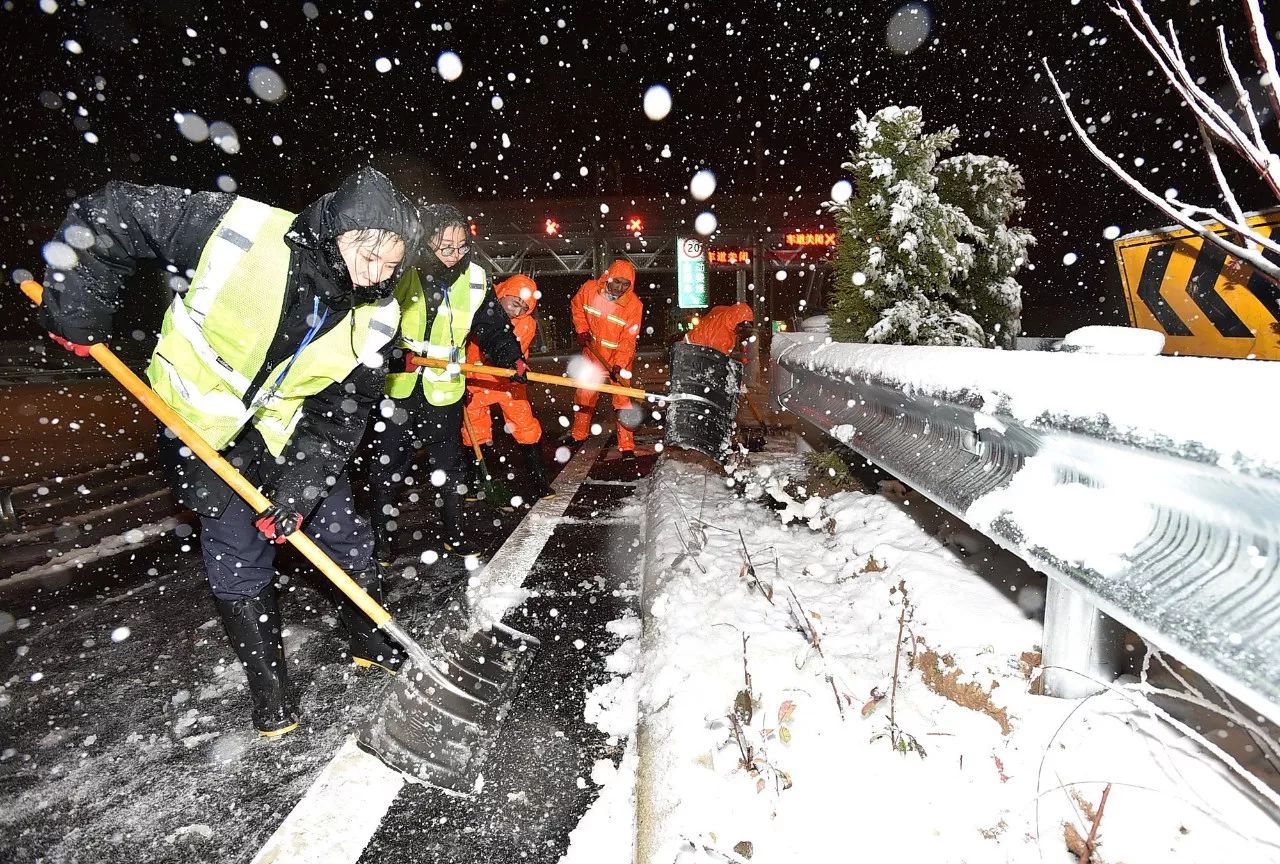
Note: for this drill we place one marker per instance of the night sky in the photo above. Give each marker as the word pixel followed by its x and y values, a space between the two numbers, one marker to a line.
pixel 763 94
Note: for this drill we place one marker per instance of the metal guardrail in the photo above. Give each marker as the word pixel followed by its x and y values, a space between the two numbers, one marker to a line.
pixel 1203 581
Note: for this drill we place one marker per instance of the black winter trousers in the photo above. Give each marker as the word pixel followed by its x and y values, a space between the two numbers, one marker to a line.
pixel 417 425
pixel 240 563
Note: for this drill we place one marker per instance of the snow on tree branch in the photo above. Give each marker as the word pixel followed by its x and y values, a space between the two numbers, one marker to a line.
pixel 1266 56
pixel 1215 123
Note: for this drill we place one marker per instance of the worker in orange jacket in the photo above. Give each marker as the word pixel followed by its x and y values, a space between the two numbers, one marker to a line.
pixel 724 328
pixel 606 320
pixel 518 296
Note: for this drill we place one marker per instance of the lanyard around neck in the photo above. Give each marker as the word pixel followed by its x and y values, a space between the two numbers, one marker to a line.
pixel 317 321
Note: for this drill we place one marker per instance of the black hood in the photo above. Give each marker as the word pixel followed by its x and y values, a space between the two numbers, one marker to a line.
pixel 364 200
pixel 435 218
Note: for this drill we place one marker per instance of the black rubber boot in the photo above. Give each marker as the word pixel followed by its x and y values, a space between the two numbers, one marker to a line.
pixel 382 545
pixel 253 626
pixel 455 539
pixel 369 645
pixel 537 470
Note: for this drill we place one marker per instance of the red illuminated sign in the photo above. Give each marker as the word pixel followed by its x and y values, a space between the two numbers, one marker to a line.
pixel 552 227
pixel 635 224
pixel 475 230
pixel 728 256
pixel 811 238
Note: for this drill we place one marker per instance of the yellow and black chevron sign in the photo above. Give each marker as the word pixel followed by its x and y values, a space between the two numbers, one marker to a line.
pixel 1205 304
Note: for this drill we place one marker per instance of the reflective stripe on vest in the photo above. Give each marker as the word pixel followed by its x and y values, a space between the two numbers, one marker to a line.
pixel 616 320
pixel 610 345
pixel 449 331
pixel 591 310
pixel 209 352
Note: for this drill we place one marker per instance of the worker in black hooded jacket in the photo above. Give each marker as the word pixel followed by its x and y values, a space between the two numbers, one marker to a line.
pixel 272 348
pixel 446 300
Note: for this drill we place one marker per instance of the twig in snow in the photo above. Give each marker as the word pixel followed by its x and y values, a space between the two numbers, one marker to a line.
pixel 749 569
pixel 1267 745
pixel 903 742
pixel 1090 844
pixel 805 626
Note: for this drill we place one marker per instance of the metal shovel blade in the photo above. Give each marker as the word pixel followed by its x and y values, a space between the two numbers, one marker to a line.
pixel 439 720
pixel 702 409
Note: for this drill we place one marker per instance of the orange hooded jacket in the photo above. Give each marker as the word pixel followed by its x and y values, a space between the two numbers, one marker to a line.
pixel 613 324
pixel 525 328
pixel 717 328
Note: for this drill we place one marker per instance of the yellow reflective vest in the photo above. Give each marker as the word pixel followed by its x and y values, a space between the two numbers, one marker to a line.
pixel 215 336
pixel 447 341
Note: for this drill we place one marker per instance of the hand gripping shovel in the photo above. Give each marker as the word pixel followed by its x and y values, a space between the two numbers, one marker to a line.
pixel 444 708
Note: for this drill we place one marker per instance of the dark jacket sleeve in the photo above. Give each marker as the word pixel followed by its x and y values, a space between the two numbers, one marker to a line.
pixel 333 422
pixel 105 236
pixel 491 329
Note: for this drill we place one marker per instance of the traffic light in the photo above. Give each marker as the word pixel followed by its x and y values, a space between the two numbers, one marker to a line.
pixel 552 227
pixel 635 225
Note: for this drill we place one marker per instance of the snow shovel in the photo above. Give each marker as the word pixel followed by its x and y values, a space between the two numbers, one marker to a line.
pixel 492 489
pixel 445 703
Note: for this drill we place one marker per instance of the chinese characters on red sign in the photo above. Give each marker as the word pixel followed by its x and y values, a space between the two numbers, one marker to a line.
pixel 811 238
pixel 728 256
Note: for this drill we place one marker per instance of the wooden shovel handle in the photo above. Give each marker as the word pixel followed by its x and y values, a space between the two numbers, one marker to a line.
pixel 557 380
pixel 224 469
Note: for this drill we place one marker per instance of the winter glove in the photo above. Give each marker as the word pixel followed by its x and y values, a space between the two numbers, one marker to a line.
pixel 616 374
pixel 584 340
pixel 74 347
pixel 522 372
pixel 466 397
pixel 276 523
pixel 408 362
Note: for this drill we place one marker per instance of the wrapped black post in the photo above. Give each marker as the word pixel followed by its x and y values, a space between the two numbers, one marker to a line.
pixel 702 410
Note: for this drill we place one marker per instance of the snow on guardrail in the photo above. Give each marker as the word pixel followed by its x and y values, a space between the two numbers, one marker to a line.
pixel 1150 483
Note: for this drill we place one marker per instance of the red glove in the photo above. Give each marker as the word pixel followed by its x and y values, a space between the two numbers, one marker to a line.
pixel 522 372
pixel 276 523
pixel 74 347
pixel 584 339
pixel 408 362
pixel 616 374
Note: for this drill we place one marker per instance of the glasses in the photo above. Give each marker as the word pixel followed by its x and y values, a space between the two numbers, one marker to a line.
pixel 450 251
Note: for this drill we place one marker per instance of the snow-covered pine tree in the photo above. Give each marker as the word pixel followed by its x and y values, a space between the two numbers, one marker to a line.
pixel 924 254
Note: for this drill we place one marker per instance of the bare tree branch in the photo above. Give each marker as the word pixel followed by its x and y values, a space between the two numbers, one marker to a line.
pixel 1249 256
pixel 1205 107
pixel 1253 238
pixel 1227 195
pixel 1243 102
pixel 1266 56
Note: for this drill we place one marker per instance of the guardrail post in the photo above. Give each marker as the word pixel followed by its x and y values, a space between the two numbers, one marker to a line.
pixel 1079 653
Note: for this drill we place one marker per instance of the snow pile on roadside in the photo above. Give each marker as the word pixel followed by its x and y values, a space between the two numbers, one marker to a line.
pixel 772 731
pixel 607 830
pixel 1216 405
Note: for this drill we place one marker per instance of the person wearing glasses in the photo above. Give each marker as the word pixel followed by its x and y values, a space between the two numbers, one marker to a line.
pixel 606 321
pixel 445 300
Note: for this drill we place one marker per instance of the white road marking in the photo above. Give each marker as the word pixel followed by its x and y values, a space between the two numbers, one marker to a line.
pixel 336 819
pixel 498 586
pixel 338 816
